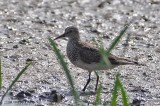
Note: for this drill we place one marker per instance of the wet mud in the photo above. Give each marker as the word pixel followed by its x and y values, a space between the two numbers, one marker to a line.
pixel 26 25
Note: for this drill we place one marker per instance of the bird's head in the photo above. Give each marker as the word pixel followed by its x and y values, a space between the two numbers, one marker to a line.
pixel 70 32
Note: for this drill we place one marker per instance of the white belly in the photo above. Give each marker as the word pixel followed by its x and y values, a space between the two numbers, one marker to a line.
pixel 92 66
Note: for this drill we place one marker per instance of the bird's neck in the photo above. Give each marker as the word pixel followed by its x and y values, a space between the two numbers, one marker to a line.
pixel 75 39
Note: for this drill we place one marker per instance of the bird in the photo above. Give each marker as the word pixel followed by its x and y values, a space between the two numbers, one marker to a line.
pixel 87 56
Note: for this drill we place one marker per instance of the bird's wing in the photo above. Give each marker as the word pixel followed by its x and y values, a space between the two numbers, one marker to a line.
pixel 113 59
pixel 88 53
pixel 120 61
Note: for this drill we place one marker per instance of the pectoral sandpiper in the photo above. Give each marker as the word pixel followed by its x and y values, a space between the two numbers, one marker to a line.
pixel 87 56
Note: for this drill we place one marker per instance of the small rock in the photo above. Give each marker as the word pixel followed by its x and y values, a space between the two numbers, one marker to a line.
pixel 95 31
pixel 149 45
pixel 1 46
pixel 145 74
pixel 14 57
pixel 42 97
pixel 24 41
pixel 150 57
pixel 52 96
pixel 101 5
pixel 53 92
pixel 15 46
pixel 137 38
pixel 23 94
pixel 106 37
pixel 57 97
pixel 28 60
pixel 136 102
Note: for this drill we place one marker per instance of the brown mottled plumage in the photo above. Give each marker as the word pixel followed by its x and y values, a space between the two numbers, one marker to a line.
pixel 87 56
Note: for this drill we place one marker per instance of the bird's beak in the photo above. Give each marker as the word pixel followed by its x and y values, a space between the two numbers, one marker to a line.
pixel 61 36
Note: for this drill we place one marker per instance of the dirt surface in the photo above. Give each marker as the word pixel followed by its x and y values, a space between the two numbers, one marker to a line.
pixel 25 26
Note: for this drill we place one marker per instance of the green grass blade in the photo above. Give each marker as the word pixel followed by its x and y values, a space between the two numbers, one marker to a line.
pixel 0 75
pixel 14 81
pixel 104 57
pixel 124 94
pixel 105 53
pixel 117 39
pixel 98 93
pixel 119 86
pixel 115 92
pixel 66 70
pixel 126 44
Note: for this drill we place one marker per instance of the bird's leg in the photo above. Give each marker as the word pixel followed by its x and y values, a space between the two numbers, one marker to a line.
pixel 97 80
pixel 87 82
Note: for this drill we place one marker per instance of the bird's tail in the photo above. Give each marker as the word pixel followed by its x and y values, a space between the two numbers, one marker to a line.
pixel 123 61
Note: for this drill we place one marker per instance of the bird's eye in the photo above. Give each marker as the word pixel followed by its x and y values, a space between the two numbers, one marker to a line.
pixel 71 31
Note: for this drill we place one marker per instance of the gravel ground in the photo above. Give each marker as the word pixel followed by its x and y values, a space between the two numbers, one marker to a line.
pixel 25 26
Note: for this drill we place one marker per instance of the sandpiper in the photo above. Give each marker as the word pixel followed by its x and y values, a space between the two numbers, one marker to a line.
pixel 86 56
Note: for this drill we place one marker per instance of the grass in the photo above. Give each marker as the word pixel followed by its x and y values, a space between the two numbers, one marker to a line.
pixel 117 39
pixel 66 70
pixel 118 85
pixel 98 95
pixel 0 75
pixel 14 81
